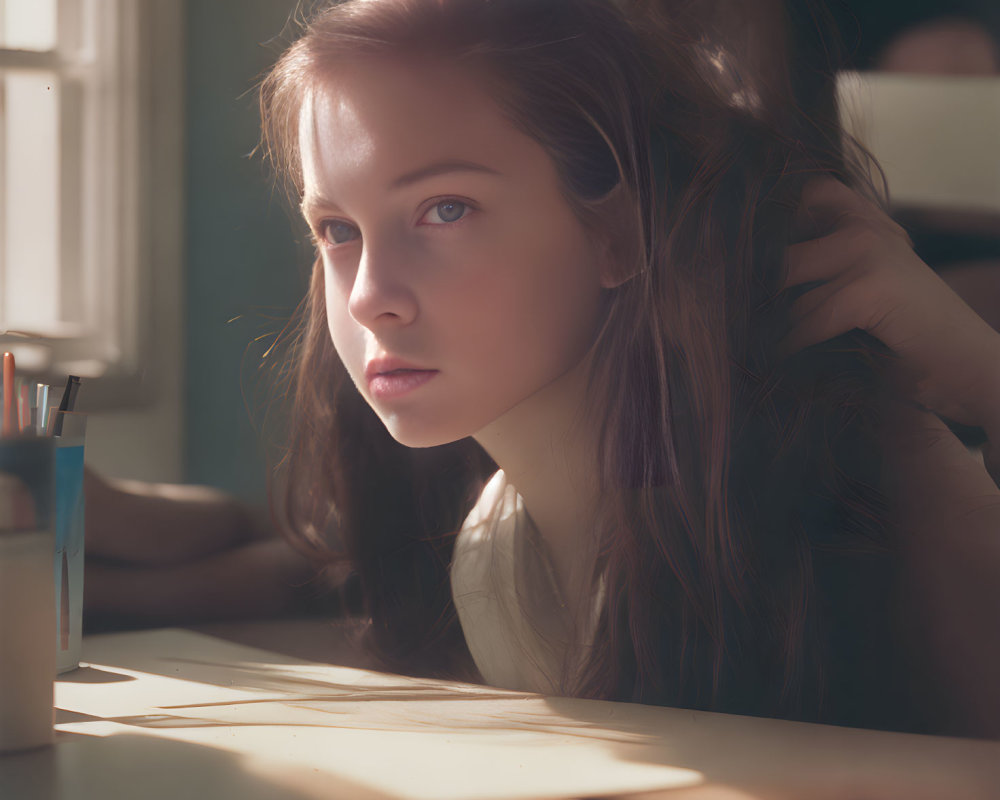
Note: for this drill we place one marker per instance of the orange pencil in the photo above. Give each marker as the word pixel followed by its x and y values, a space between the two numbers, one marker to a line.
pixel 11 424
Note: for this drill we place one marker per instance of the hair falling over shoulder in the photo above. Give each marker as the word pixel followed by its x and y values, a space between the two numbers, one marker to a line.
pixel 746 546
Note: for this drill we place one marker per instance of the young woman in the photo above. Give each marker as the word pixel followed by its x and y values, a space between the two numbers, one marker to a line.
pixel 609 385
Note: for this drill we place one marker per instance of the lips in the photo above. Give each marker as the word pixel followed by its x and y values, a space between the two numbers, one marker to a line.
pixel 391 377
pixel 387 365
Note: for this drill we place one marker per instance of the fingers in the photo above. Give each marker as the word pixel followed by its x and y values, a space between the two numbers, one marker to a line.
pixel 822 204
pixel 826 194
pixel 826 204
pixel 826 190
pixel 821 314
pixel 822 259
pixel 855 241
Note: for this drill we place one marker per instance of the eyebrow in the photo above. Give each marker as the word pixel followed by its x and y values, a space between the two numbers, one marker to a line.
pixel 440 168
pixel 312 203
pixel 409 178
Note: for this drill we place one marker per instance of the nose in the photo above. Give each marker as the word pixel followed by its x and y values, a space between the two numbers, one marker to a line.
pixel 382 294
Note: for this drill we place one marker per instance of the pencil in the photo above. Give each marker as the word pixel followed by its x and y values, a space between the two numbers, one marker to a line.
pixel 11 424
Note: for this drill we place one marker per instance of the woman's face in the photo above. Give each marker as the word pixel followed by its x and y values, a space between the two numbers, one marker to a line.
pixel 459 283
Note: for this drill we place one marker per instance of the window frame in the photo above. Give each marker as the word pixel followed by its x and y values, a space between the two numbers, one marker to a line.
pixel 131 220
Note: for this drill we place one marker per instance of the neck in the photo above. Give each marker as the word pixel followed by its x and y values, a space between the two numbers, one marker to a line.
pixel 547 446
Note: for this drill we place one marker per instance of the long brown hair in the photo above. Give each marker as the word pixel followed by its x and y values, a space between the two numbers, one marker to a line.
pixel 745 545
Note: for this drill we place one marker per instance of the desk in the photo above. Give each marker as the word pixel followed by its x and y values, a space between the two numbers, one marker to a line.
pixel 173 713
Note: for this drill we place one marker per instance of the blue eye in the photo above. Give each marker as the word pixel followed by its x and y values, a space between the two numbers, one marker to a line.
pixel 447 211
pixel 337 232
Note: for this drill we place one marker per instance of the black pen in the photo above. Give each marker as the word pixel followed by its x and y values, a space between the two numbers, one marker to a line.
pixel 67 402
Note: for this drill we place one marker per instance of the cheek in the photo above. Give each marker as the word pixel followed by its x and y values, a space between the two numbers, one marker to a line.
pixel 333 303
pixel 537 303
pixel 561 296
pixel 338 321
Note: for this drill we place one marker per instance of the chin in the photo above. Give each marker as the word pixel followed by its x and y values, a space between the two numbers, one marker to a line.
pixel 410 434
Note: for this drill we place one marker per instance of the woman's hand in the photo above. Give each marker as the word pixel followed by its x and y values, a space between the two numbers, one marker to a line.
pixel 872 279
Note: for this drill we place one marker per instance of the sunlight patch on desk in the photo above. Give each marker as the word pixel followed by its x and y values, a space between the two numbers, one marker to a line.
pixel 334 731
pixel 391 734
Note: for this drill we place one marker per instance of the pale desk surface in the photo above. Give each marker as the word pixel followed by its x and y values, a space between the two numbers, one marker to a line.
pixel 173 713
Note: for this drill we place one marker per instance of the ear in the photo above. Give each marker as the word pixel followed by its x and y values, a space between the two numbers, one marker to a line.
pixel 619 238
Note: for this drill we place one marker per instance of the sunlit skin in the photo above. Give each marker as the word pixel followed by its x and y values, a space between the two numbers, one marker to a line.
pixel 447 242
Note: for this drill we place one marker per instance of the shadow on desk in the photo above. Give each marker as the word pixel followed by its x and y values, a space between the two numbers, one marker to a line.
pixel 332 640
pixel 154 768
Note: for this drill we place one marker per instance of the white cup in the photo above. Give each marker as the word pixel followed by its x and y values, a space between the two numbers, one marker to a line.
pixel 27 603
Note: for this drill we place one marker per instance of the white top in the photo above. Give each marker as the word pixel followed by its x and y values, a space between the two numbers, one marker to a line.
pixel 515 624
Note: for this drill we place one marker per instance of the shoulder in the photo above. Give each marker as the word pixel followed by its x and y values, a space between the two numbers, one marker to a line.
pixel 481 537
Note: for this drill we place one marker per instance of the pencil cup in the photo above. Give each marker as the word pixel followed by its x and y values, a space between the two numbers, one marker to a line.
pixel 69 537
pixel 27 592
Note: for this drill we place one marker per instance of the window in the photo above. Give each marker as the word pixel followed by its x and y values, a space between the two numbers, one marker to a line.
pixel 76 135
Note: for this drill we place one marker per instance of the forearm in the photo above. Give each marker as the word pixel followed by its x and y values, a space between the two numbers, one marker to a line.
pixel 258 580
pixel 951 596
pixel 948 514
pixel 163 524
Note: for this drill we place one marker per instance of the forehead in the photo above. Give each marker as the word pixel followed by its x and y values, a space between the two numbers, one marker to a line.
pixel 378 117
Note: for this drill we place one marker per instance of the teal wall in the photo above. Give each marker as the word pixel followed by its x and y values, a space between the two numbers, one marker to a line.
pixel 241 256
